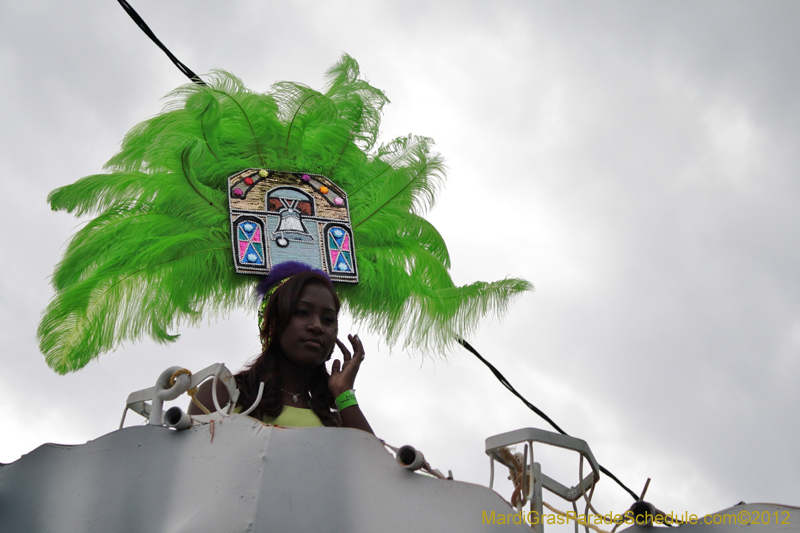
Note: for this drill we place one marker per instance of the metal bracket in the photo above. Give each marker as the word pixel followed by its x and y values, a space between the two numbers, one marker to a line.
pixel 532 470
pixel 162 391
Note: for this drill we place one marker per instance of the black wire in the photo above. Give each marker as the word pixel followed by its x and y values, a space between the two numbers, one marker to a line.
pixel 535 409
pixel 147 31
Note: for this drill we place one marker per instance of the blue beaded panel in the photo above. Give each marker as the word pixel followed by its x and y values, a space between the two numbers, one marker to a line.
pixel 249 250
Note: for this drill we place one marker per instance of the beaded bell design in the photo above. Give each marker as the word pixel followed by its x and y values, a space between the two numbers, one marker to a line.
pixel 278 217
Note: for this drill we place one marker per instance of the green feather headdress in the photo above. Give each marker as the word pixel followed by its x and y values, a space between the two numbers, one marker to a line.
pixel 158 253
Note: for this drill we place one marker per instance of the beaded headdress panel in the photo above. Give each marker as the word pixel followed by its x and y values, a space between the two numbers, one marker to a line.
pixel 278 217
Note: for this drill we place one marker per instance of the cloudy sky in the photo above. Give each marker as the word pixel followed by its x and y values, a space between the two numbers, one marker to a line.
pixel 636 161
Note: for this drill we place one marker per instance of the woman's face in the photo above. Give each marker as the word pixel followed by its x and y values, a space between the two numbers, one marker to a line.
pixel 311 333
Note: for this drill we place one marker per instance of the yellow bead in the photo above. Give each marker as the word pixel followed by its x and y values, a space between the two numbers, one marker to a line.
pixel 262 173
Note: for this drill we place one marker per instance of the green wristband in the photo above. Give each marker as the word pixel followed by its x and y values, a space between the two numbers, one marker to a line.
pixel 346 399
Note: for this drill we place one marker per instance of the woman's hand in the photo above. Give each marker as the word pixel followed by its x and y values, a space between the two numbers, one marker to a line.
pixel 343 375
pixel 343 378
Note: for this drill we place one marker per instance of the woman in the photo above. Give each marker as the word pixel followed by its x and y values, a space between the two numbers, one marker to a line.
pixel 298 333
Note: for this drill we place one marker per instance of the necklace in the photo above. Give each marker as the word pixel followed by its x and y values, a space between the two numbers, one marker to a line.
pixel 295 397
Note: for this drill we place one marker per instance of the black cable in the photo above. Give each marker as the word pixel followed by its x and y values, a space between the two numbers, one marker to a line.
pixel 535 409
pixel 147 31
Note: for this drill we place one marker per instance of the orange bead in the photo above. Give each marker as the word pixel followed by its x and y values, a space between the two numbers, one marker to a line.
pixel 323 190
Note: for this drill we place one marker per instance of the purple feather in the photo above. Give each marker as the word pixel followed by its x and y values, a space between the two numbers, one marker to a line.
pixel 280 272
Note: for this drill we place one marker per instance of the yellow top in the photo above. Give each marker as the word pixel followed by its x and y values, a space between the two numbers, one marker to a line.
pixel 292 417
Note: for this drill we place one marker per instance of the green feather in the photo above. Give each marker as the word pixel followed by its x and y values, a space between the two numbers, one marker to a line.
pixel 158 254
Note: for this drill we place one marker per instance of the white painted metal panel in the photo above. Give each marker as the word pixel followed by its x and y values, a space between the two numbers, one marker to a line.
pixel 248 477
